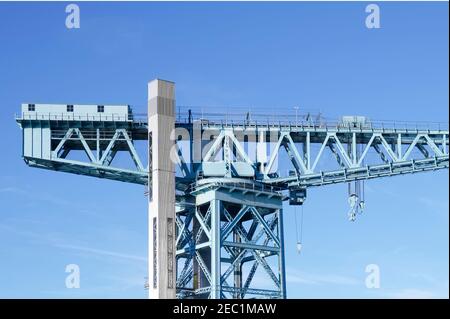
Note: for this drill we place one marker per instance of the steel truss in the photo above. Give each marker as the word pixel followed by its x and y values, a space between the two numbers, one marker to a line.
pixel 220 235
pixel 359 152
pixel 100 140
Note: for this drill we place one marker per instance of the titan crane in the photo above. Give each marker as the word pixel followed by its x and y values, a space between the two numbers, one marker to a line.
pixel 215 191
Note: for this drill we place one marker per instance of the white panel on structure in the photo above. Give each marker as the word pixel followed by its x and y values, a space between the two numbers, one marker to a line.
pixel 82 112
pixel 161 123
pixel 243 169
pixel 46 140
pixel 261 149
pixel 214 168
pixel 37 142
pixel 27 141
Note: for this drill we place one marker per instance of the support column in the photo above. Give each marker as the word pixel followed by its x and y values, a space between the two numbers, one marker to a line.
pixel 228 210
pixel 261 150
pixel 215 249
pixel 161 123
pixel 308 151
pixel 281 255
pixel 237 268
pixel 98 146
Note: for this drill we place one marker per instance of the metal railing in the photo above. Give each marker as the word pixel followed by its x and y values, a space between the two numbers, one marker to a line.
pixel 284 120
pixel 255 187
pixel 63 116
pixel 248 119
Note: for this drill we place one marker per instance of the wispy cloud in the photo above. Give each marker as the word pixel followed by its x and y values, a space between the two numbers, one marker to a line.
pixel 321 279
pixel 102 252
pixel 381 191
pixel 35 195
pixel 438 206
pixel 25 233
pixel 56 241
pixel 10 189
pixel 93 292
pixel 412 293
pixel 293 276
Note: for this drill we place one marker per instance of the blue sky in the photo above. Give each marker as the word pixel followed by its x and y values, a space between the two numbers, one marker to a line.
pixel 320 56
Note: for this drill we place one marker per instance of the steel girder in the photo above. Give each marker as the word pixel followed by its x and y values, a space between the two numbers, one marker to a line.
pixel 217 238
pixel 359 152
pixel 100 146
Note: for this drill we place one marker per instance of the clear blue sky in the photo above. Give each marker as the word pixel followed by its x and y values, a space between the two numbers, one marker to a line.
pixel 320 56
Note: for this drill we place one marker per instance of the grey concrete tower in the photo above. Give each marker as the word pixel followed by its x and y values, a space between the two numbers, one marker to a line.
pixel 161 211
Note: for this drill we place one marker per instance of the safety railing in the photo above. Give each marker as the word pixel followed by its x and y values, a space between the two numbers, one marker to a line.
pixel 248 119
pixel 256 187
pixel 293 121
pixel 113 117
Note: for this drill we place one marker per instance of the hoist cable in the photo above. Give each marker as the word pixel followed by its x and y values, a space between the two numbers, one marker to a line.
pixel 296 224
pixel 301 226
pixel 298 236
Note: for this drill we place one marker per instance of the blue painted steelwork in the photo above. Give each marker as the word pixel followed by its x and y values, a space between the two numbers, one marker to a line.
pixel 229 190
pixel 49 137
pixel 234 223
